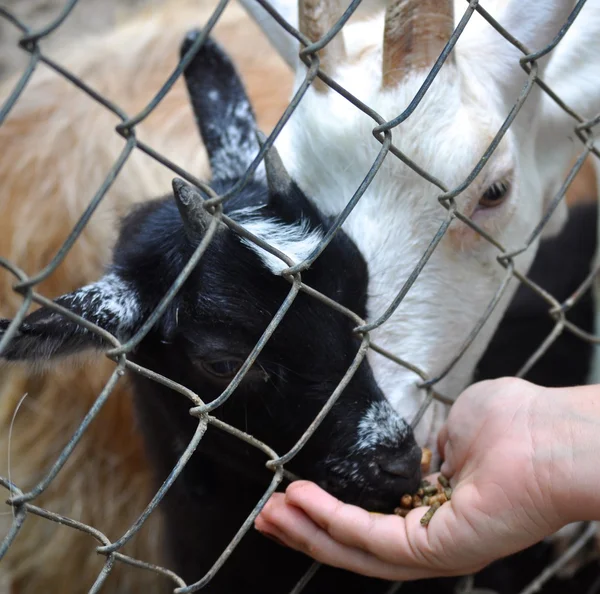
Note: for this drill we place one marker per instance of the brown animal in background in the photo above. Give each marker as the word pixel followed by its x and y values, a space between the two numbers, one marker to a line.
pixel 59 145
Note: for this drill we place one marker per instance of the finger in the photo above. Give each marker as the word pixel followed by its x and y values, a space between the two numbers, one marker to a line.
pixel 387 537
pixel 291 526
pixel 444 448
pixel 442 439
pixel 270 531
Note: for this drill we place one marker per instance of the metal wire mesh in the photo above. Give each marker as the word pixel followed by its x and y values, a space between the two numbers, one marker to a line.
pixel 23 503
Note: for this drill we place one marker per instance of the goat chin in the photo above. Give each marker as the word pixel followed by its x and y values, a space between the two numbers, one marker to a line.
pixel 62 145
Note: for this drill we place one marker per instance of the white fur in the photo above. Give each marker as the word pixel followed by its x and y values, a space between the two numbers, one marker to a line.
pixel 237 149
pixel 328 147
pixel 296 241
pixel 109 299
pixel 381 425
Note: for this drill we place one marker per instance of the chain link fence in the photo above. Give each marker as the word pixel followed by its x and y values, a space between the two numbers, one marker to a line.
pixel 24 503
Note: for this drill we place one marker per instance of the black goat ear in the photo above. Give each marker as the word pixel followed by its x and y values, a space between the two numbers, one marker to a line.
pixel 222 109
pixel 109 303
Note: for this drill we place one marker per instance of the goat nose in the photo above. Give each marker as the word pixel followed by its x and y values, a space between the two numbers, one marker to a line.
pixel 405 465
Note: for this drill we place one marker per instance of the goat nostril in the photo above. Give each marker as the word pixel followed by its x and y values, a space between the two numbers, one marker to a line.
pixel 405 466
pixel 401 468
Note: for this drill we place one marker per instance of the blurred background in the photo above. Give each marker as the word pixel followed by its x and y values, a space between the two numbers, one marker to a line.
pixel 87 16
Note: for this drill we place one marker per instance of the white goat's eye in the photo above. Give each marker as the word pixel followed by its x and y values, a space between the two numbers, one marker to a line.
pixel 495 194
pixel 222 368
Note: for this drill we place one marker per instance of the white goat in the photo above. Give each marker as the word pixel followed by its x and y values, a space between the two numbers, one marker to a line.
pixel 329 147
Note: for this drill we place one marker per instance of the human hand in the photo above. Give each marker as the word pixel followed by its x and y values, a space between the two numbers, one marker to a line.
pixel 506 446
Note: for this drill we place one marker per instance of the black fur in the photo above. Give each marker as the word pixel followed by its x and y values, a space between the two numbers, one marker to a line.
pixel 560 267
pixel 223 112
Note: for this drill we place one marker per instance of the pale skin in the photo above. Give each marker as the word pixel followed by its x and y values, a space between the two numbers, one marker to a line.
pixel 522 462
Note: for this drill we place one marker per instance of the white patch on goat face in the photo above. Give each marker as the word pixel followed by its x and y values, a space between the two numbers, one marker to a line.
pixel 381 426
pixel 297 241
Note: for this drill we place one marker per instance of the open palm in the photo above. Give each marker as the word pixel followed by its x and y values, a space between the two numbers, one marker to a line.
pixel 499 447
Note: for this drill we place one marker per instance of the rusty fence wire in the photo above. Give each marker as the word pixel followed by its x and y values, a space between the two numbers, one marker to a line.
pixel 23 503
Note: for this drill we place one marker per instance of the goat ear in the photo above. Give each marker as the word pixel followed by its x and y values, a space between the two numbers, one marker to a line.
pixel 45 334
pixel 222 109
pixel 535 28
pixel 285 44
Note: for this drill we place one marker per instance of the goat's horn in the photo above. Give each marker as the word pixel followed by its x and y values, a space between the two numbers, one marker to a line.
pixel 278 178
pixel 415 33
pixel 315 18
pixel 189 203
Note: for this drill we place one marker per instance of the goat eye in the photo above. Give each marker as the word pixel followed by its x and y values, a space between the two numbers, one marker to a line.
pixel 222 368
pixel 495 194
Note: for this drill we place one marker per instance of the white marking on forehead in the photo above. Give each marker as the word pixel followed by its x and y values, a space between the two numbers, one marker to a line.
pixel 381 426
pixel 297 241
pixel 213 95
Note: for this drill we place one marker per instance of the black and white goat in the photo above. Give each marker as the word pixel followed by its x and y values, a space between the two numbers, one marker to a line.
pixel 363 451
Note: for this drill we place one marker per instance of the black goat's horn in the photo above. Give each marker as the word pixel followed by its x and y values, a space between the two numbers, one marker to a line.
pixel 278 179
pixel 189 202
